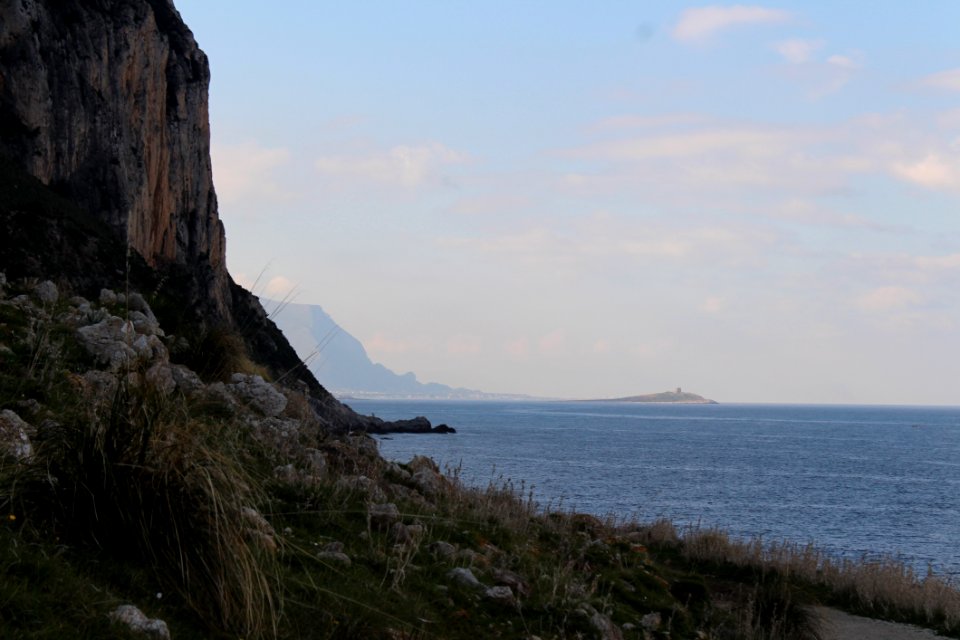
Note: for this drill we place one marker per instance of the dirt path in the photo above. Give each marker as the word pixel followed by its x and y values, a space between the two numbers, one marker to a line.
pixel 838 625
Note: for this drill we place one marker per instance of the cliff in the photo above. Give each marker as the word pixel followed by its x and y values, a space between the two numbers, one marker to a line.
pixel 106 102
pixel 106 181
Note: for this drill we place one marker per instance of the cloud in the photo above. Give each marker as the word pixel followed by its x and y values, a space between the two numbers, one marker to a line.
pixel 888 298
pixel 279 287
pixel 244 171
pixel 518 348
pixel 948 80
pixel 380 344
pixel 553 343
pixel 700 23
pixel 713 305
pixel 951 261
pixel 797 50
pixel 933 172
pixel 403 165
pixel 844 62
pixel 463 345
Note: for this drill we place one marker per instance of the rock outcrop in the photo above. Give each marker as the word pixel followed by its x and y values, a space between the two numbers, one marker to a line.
pixel 106 181
pixel 106 102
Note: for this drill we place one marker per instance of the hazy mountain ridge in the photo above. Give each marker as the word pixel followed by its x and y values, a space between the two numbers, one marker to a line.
pixel 342 365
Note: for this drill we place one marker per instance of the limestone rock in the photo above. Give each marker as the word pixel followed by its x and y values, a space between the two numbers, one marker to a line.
pixel 186 380
pixel 501 595
pixel 46 292
pixel 442 549
pixel 139 623
pixel 335 558
pixel 605 627
pixel 651 621
pixel 160 378
pixel 110 103
pixel 383 515
pixel 463 577
pixel 257 393
pixel 14 438
pixel 109 342
pixel 428 482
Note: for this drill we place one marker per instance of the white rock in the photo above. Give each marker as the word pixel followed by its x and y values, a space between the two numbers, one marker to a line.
pixel 257 393
pixel 160 378
pixel 501 594
pixel 47 292
pixel 383 514
pixel 428 481
pixel 139 623
pixel 107 296
pixel 464 577
pixel 334 557
pixel 109 342
pixel 145 324
pixel 186 380
pixel 604 625
pixel 14 440
pixel 651 621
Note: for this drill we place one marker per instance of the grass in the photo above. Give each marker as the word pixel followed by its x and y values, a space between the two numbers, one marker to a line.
pixel 252 528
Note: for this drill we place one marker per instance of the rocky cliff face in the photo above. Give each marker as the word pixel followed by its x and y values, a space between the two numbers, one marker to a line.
pixel 105 101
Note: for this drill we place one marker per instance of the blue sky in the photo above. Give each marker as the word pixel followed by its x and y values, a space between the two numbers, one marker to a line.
pixel 755 202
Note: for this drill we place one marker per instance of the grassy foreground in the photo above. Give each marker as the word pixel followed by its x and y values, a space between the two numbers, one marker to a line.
pixel 229 514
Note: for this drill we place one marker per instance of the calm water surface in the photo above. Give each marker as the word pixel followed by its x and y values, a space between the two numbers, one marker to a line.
pixel 854 480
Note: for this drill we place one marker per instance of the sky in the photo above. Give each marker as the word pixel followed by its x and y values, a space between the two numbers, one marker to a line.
pixel 755 202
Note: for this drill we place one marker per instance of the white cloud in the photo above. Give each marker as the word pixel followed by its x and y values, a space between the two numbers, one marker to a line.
pixel 279 287
pixel 464 345
pixel 888 298
pixel 797 50
pixel 713 305
pixel 403 165
pixel 948 80
pixel 844 62
pixel 553 343
pixel 242 172
pixel 933 172
pixel 951 261
pixel 380 344
pixel 700 23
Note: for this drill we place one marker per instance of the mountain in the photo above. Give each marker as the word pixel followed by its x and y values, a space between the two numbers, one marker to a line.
pixel 342 365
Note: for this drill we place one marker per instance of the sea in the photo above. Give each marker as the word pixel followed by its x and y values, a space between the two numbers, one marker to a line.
pixel 855 481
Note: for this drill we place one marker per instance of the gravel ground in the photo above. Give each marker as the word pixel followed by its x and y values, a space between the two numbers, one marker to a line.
pixel 838 625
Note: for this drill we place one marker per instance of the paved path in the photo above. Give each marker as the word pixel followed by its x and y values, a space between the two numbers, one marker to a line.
pixel 838 625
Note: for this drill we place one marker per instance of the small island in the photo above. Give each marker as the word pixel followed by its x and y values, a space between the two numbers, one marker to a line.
pixel 672 397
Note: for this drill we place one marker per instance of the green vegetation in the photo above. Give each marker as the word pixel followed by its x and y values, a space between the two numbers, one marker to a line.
pixel 227 522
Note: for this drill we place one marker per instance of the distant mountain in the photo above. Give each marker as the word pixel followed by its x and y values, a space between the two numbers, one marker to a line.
pixel 674 397
pixel 341 364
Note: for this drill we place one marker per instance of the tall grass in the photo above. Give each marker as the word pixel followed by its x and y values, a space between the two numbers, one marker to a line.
pixel 149 482
pixel 881 587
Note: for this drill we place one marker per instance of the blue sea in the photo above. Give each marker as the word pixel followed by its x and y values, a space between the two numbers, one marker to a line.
pixel 855 480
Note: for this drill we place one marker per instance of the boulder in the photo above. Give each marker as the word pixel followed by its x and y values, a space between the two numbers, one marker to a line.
pixel 47 293
pixel 133 618
pixel 14 438
pixel 109 342
pixel 501 595
pixel 256 392
pixel 463 577
pixel 383 515
pixel 334 558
